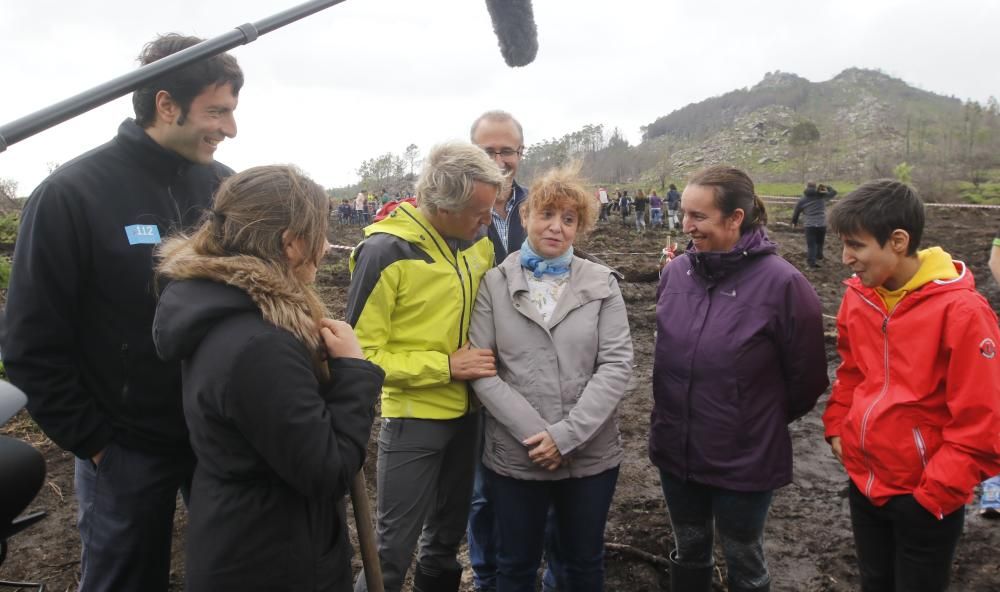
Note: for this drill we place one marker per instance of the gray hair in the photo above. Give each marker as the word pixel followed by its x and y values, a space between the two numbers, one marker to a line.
pixel 450 173
pixel 498 116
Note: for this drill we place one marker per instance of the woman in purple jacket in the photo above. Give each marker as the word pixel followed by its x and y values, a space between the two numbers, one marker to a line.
pixel 739 355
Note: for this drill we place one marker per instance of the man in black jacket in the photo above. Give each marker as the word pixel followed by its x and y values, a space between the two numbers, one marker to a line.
pixel 80 310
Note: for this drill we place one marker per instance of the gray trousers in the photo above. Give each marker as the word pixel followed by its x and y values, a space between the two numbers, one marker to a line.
pixel 424 480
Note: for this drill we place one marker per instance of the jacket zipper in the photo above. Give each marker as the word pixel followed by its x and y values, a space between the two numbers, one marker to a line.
pixel 885 388
pixel 458 272
pixel 177 208
pixel 468 272
pixel 918 439
pixel 687 410
pixel 124 361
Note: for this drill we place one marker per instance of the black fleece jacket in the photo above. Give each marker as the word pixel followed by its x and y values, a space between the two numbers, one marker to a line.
pixel 81 298
pixel 276 449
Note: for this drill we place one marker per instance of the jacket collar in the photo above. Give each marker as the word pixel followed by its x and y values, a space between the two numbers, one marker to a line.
pixel 588 281
pixel 164 164
pixel 408 223
pixel 520 194
pixel 964 281
pixel 713 266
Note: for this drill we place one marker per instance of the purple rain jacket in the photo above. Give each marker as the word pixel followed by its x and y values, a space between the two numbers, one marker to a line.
pixel 739 355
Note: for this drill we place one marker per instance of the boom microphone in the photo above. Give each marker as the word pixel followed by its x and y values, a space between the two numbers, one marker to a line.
pixel 514 24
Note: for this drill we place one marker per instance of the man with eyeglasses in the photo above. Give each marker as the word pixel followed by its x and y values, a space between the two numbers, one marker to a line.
pixel 501 137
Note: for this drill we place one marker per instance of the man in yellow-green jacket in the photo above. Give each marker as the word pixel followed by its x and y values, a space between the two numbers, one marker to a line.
pixel 414 279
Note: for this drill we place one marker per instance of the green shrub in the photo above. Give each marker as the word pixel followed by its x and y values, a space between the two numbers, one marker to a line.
pixel 4 272
pixel 8 228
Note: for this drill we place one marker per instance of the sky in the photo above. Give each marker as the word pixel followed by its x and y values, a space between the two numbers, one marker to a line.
pixel 367 77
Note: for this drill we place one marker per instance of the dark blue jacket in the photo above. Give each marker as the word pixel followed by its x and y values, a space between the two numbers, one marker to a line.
pixel 515 228
pixel 739 354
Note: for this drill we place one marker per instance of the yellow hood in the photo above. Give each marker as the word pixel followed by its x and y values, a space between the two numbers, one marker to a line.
pixel 935 264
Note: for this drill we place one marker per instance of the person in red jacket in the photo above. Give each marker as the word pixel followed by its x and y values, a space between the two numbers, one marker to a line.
pixel 914 415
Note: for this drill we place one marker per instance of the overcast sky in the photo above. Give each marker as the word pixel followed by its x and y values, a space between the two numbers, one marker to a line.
pixel 370 76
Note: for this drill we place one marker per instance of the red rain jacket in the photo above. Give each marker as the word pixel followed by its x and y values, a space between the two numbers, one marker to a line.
pixel 917 396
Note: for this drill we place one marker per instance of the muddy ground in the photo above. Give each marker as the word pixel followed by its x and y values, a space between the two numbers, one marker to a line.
pixel 808 537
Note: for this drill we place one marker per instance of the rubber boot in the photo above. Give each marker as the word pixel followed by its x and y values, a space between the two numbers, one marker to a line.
pixel 685 578
pixel 430 579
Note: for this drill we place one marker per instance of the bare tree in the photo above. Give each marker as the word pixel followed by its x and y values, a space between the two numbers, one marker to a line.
pixel 8 188
pixel 412 156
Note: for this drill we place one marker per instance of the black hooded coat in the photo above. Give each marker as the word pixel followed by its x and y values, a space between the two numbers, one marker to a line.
pixel 276 449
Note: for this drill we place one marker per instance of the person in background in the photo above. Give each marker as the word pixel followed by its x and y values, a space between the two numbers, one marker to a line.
pixel 413 283
pixel 80 311
pixel 655 210
pixel 914 415
pixel 812 206
pixel 344 211
pixel 624 205
pixel 739 355
pixel 278 397
pixel 602 198
pixel 641 203
pixel 361 209
pixel 501 136
pixel 673 203
pixel 558 326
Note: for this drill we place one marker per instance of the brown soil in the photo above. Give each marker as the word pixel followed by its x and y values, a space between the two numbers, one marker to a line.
pixel 808 538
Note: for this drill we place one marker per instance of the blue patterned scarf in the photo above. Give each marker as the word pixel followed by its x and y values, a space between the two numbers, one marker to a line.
pixel 540 265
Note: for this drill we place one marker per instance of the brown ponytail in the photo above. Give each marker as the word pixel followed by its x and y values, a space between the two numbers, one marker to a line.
pixel 759 213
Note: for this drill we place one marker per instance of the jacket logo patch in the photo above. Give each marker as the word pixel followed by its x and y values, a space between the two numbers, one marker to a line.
pixel 987 348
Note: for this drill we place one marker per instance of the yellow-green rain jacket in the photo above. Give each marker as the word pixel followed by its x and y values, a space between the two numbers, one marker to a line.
pixel 410 302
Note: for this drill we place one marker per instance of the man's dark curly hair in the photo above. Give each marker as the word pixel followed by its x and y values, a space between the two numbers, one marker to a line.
pixel 184 84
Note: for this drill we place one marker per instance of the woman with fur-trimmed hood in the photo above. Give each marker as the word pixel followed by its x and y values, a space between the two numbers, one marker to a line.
pixel 278 398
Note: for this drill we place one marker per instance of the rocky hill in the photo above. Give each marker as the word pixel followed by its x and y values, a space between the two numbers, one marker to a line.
pixel 859 124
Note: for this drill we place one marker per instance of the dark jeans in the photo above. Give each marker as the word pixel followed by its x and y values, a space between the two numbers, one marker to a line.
pixel 580 507
pixel 126 518
pixel 901 546
pixel 815 237
pixel 482 539
pixel 482 544
pixel 739 516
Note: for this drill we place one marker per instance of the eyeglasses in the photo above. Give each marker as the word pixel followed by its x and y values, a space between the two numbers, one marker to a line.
pixel 503 153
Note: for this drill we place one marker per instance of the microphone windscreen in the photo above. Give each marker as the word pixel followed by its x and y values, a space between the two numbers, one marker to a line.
pixel 22 472
pixel 514 24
